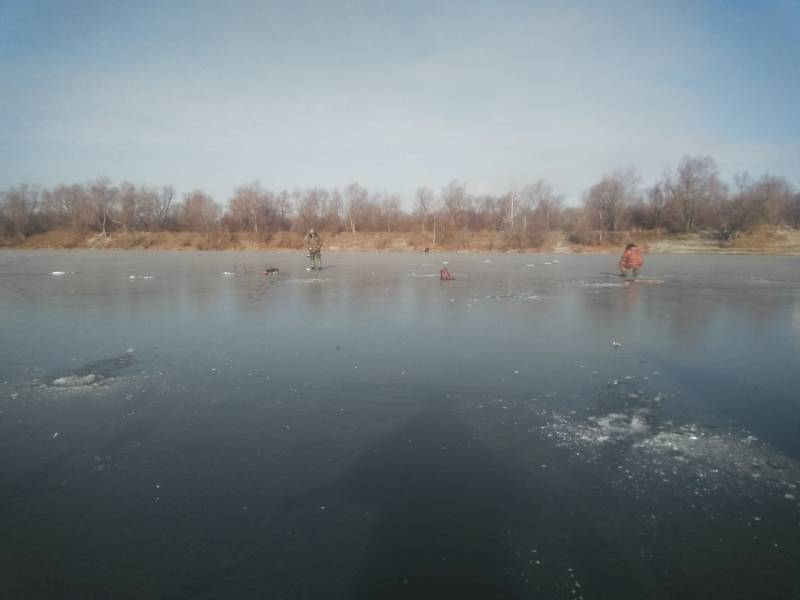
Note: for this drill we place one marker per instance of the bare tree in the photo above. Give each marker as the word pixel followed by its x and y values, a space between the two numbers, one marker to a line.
pixel 252 207
pixel 164 208
pixel 129 198
pixel 152 207
pixel 456 204
pixel 493 212
pixel 425 205
pixel 694 190
pixel 310 207
pixel 69 205
pixel 283 204
pixel 19 206
pixel 607 200
pixel 356 197
pixel 655 206
pixel 546 205
pixel 390 212
pixel 199 212
pixel 332 212
pixel 103 197
pixel 793 211
pixel 765 201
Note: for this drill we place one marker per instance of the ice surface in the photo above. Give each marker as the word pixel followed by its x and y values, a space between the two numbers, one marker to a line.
pixel 641 469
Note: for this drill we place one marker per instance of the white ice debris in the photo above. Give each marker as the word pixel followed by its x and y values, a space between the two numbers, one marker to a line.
pixel 55 435
pixel 620 425
pixel 556 261
pixel 58 273
pixel 487 261
pixel 616 344
pixel 227 273
pixel 75 380
pixel 141 277
pixel 531 265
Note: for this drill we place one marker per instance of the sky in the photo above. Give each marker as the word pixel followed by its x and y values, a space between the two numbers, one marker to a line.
pixel 394 95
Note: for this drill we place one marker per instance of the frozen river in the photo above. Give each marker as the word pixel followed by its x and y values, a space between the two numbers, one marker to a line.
pixel 534 429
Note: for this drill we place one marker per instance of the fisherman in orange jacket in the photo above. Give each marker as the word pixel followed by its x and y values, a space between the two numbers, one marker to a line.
pixel 631 260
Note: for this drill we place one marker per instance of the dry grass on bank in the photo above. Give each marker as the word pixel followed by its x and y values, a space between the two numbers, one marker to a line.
pixel 282 240
pixel 761 241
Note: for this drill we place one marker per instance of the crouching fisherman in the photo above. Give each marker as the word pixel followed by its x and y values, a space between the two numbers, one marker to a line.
pixel 631 261
pixel 314 246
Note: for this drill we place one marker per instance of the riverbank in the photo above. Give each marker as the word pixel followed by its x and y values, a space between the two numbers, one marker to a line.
pixel 781 241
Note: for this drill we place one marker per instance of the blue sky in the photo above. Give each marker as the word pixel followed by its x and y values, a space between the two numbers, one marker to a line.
pixel 392 94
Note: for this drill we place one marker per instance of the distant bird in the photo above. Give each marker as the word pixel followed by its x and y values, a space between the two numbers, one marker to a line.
pixel 271 271
pixel 427 249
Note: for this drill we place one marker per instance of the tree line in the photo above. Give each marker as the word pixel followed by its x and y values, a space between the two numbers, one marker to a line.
pixel 689 198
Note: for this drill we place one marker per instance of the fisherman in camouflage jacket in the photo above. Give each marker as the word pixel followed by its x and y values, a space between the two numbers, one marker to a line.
pixel 314 246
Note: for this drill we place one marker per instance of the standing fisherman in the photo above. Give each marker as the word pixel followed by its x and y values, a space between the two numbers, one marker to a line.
pixel 314 245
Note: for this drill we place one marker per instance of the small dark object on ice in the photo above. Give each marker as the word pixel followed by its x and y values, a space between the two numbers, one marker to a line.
pixel 271 271
pixel 427 249
pixel 445 275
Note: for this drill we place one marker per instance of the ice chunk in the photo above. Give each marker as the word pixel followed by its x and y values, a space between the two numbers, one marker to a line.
pixel 616 344
pixel 75 380
pixel 58 273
